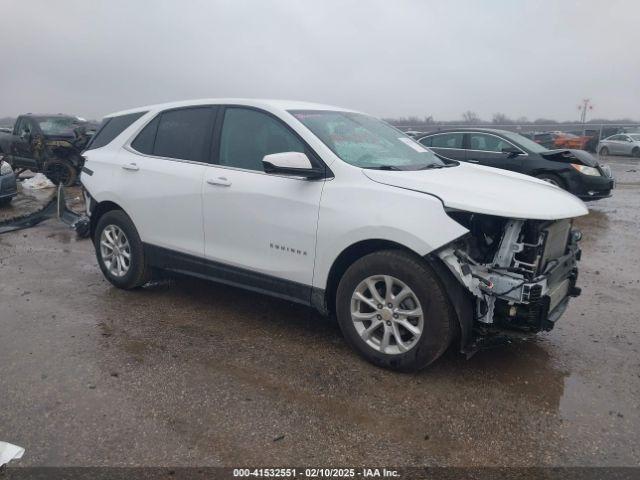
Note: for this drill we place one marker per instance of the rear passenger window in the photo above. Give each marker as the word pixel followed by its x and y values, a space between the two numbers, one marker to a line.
pixel 184 134
pixel 248 135
pixel 447 140
pixel 112 127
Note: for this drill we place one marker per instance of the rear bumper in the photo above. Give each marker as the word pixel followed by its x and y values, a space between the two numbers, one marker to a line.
pixel 8 186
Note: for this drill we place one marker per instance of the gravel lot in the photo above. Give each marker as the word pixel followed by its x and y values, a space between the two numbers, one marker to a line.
pixel 193 373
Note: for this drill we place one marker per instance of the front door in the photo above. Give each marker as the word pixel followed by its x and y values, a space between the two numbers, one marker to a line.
pixel 23 142
pixel 260 229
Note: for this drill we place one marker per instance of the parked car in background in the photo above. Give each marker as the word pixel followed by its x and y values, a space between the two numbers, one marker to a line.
pixel 546 139
pixel 576 171
pixel 570 141
pixel 50 144
pixel 620 144
pixel 337 210
pixel 8 186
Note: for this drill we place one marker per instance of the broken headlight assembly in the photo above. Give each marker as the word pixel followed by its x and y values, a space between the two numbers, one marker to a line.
pixel 520 272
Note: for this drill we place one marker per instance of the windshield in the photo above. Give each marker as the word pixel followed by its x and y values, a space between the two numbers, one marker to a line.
pixel 635 136
pixel 59 125
pixel 525 143
pixel 367 142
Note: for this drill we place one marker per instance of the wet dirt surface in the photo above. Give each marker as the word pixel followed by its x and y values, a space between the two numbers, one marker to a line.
pixel 193 373
pixel 25 203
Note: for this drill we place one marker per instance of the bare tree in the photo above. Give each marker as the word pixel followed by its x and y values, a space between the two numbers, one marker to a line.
pixel 501 119
pixel 470 117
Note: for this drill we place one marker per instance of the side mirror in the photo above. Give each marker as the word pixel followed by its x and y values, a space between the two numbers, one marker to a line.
pixel 294 164
pixel 25 135
pixel 512 151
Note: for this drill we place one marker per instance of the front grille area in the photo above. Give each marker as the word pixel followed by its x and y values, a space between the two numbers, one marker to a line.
pixel 531 293
pixel 556 238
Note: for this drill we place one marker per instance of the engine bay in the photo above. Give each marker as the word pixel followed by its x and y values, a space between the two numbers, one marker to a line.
pixel 520 272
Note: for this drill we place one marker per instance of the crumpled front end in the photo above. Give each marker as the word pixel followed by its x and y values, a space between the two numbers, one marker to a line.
pixel 521 273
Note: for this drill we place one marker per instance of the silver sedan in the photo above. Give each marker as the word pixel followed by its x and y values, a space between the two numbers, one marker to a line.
pixel 620 144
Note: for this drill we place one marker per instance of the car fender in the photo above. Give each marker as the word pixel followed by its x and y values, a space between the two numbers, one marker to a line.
pixel 354 212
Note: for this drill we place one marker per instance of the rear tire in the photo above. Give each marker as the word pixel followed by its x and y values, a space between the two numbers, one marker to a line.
pixel 552 179
pixel 116 238
pixel 365 325
pixel 60 172
pixel 5 201
pixel 604 151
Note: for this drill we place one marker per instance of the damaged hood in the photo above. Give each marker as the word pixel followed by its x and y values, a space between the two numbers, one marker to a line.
pixel 486 190
pixel 571 156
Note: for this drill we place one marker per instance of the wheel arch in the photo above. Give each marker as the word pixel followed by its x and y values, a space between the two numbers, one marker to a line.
pixel 343 261
pixel 461 300
pixel 99 210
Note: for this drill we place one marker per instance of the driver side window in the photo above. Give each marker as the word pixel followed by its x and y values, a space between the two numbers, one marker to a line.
pixel 24 129
pixel 248 135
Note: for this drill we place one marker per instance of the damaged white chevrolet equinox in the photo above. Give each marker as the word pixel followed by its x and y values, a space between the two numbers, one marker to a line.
pixel 337 210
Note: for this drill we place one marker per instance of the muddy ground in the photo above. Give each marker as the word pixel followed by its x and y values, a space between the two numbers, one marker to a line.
pixel 193 373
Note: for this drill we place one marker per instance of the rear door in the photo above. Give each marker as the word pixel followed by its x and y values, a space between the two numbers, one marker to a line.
pixel 160 174
pixel 449 145
pixel 486 149
pixel 616 144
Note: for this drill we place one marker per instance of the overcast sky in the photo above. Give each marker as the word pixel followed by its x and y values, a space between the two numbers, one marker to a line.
pixel 534 58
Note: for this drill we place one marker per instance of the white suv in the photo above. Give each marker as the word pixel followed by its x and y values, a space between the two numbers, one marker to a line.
pixel 337 210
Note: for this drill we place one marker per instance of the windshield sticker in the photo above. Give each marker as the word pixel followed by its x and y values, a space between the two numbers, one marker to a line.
pixel 416 146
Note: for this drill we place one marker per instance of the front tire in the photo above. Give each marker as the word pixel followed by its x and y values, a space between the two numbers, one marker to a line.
pixel 552 179
pixel 635 152
pixel 5 201
pixel 120 252
pixel 393 310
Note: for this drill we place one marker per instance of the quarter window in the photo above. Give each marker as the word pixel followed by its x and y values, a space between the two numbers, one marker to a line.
pixel 447 140
pixel 248 135
pixel 488 143
pixel 143 143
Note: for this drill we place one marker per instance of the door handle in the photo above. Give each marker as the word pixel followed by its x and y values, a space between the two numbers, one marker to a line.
pixel 221 181
pixel 131 166
pixel 471 160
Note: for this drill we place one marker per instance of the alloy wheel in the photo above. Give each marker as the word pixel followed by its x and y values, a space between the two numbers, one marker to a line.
pixel 115 251
pixel 387 314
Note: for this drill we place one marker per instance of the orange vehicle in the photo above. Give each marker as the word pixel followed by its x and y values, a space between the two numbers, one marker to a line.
pixel 569 140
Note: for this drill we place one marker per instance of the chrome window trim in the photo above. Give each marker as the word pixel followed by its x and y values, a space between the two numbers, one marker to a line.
pixel 523 154
pixel 130 149
pixel 209 164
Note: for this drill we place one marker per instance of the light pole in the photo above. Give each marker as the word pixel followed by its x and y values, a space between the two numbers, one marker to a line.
pixel 586 105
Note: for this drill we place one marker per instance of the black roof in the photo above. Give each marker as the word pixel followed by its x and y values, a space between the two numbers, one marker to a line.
pixel 469 129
